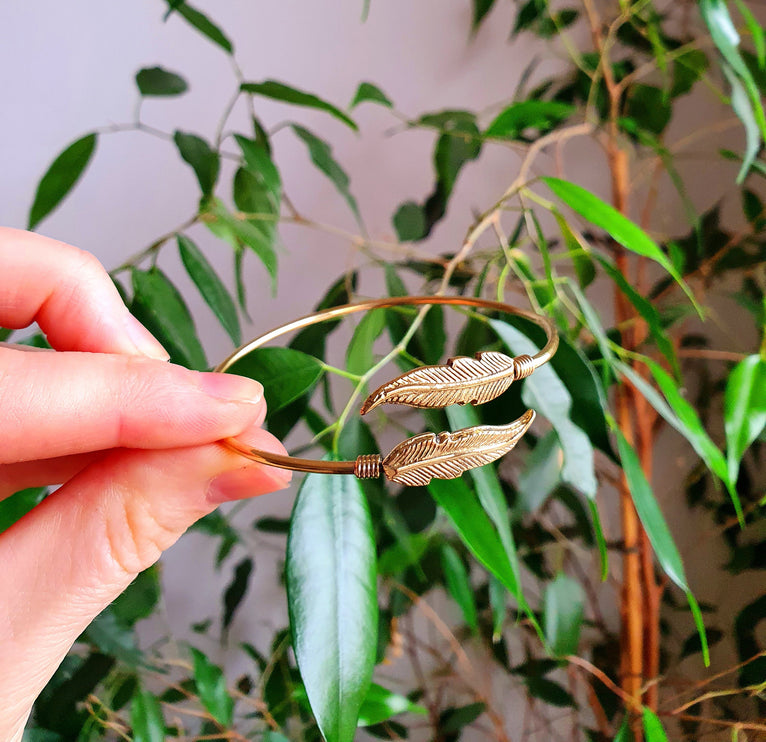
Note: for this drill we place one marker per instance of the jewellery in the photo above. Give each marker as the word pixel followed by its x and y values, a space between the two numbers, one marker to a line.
pixel 461 380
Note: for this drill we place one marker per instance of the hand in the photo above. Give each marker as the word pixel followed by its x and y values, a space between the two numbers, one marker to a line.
pixel 131 438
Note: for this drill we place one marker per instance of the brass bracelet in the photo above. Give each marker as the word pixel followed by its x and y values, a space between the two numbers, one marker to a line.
pixel 461 380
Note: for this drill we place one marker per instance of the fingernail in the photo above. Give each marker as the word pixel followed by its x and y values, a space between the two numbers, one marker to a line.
pixel 144 341
pixel 232 388
pixel 243 483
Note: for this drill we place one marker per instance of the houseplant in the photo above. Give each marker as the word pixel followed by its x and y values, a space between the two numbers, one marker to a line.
pixel 500 538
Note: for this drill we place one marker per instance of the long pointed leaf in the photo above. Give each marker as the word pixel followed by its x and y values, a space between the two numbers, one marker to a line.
pixel 619 227
pixel 288 94
pixel 332 599
pixel 60 178
pixel 657 530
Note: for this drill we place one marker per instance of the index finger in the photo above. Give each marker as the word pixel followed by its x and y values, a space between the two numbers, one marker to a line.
pixel 70 295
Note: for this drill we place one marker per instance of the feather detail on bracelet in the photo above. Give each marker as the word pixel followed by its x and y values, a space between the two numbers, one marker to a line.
pixel 428 456
pixel 461 380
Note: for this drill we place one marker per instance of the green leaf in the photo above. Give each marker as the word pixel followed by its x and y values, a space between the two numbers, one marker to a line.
pixel 286 374
pixel 756 32
pixel 60 178
pixel 581 262
pixel 115 639
pixel 650 514
pixel 287 94
pixel 562 614
pixel 541 473
pixel 688 67
pixel 453 720
pixel 332 599
pixel 41 735
pixel 488 488
pixel 744 409
pixel 258 162
pixel 742 106
pixel 359 358
pixel 210 286
pixel 381 704
pixel 657 530
pixel 236 590
pixel 619 227
pixel 648 107
pixel 480 10
pixel 549 691
pixel 321 155
pixel 157 81
pixel 18 505
pixel 497 601
pixel 146 720
pixel 541 116
pixel 476 531
pixel 546 393
pixel 410 222
pixel 201 22
pixel 159 306
pixel 716 15
pixel 257 234
pixel 211 688
pixel 312 339
pixel 653 727
pixel 459 586
pixel 204 161
pixel 677 412
pixel 623 733
pixel 367 92
pixel 647 310
pixel 139 599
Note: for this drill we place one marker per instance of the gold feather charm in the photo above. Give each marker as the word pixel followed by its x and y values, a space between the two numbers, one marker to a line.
pixel 428 456
pixel 461 380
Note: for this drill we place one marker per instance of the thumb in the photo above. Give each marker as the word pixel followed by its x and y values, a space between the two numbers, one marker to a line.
pixel 75 553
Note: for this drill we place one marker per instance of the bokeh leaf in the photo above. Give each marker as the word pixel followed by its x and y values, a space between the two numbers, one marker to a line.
pixel 359 358
pixel 546 393
pixel 288 94
pixel 563 604
pixel 542 116
pixel 459 586
pixel 286 374
pixel 159 306
pixel 653 728
pixel 211 687
pixel 367 92
pixel 321 155
pixel 60 177
pixel 657 530
pixel 381 704
pixel 332 599
pixel 201 22
pixel 146 720
pixel 744 409
pixel 159 82
pixel 211 287
pixel 619 227
pixel 204 161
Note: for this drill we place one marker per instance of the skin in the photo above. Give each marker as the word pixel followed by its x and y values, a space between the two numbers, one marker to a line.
pixel 132 440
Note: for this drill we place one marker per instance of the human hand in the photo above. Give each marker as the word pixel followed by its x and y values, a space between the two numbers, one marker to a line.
pixel 131 438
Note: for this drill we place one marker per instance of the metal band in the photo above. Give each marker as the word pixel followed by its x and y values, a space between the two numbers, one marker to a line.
pixel 452 453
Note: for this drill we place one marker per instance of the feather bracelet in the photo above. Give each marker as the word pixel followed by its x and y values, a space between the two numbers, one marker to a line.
pixel 461 380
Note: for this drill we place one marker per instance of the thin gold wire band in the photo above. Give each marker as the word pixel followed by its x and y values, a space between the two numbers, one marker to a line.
pixel 369 465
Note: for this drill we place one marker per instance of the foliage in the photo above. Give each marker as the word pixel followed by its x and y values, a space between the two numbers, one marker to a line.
pixel 509 545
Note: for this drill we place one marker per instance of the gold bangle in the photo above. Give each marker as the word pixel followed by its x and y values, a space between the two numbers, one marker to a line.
pixel 461 380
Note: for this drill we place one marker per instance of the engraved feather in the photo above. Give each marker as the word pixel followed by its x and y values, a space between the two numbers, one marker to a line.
pixel 461 380
pixel 428 456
